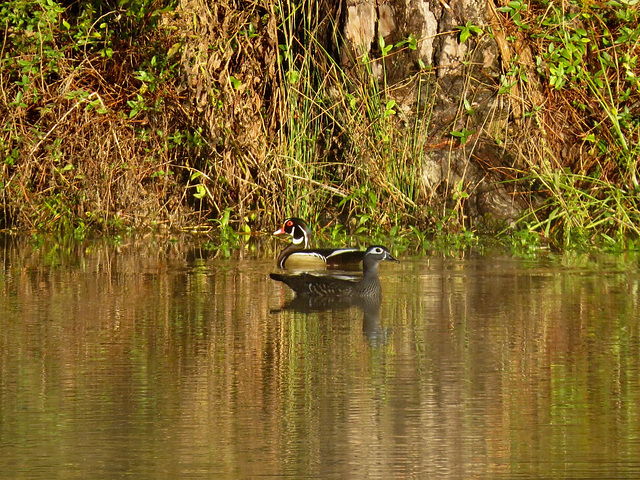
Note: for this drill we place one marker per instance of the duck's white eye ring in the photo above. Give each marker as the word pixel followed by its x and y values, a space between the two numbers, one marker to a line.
pixel 377 250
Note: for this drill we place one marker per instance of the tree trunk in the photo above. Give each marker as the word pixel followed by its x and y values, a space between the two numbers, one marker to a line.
pixel 468 75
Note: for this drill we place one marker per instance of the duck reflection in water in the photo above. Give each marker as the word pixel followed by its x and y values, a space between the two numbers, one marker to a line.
pixel 369 306
pixel 318 292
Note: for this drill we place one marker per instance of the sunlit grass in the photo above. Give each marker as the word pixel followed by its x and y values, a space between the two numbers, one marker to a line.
pixel 260 135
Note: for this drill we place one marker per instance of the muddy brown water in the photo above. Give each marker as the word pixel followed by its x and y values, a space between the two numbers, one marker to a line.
pixel 149 365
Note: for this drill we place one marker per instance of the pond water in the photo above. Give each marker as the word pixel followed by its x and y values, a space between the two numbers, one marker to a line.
pixel 150 363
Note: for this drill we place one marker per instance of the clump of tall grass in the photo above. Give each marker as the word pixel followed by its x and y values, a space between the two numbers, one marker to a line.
pixel 348 150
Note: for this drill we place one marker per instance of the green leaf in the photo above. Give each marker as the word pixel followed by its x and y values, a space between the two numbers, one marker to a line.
pixel 235 83
pixel 200 191
pixel 463 135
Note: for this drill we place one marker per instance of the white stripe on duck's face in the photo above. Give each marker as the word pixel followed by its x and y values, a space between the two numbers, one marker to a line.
pixel 300 235
pixel 299 240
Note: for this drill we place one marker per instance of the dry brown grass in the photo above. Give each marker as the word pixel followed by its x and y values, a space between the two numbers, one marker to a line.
pixel 251 138
pixel 73 157
pixel 224 119
pixel 229 57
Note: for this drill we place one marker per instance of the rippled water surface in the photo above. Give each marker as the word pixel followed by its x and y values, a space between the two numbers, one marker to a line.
pixel 153 364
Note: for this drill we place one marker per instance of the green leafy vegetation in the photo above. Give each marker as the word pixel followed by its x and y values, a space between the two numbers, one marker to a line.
pixel 138 115
pixel 587 53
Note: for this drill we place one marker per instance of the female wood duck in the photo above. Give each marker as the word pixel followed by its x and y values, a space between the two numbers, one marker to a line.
pixel 338 286
pixel 299 256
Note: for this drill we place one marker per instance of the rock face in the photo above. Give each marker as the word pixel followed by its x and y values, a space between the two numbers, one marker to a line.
pixel 465 79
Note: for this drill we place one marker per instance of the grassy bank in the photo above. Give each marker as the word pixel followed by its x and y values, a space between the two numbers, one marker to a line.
pixel 226 118
pixel 586 156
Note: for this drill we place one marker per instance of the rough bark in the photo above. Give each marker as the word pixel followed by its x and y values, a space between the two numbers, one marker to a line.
pixel 468 71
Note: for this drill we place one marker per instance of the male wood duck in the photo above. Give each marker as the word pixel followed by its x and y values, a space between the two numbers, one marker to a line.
pixel 338 286
pixel 299 256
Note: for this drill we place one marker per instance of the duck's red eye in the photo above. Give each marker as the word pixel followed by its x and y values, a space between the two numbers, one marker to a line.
pixel 289 223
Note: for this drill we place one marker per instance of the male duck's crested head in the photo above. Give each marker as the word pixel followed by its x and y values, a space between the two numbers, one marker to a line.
pixel 298 229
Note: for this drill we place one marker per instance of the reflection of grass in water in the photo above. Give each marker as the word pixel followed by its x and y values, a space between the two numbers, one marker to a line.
pixel 192 351
pixel 206 367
